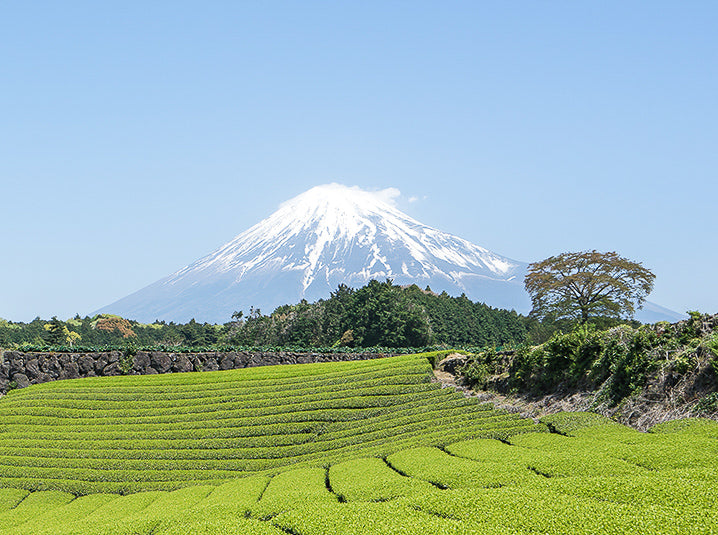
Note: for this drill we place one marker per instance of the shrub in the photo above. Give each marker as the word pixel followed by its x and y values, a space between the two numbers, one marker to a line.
pixel 475 373
pixel 707 404
pixel 712 346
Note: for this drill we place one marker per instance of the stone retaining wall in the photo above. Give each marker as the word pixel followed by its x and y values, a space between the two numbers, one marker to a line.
pixel 23 369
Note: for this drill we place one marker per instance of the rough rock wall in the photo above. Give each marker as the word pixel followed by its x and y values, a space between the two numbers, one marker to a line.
pixel 21 369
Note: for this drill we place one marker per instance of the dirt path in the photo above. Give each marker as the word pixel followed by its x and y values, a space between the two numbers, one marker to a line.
pixel 445 378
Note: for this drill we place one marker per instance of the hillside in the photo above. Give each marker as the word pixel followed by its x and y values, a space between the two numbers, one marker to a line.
pixel 137 433
pixel 591 477
pixel 637 375
pixel 327 236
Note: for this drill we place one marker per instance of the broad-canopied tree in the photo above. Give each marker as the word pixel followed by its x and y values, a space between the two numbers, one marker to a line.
pixel 587 284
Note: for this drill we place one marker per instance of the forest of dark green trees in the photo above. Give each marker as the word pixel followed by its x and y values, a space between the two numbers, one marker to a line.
pixel 379 314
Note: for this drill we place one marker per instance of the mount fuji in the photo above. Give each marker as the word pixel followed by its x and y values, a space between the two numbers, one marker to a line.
pixel 326 236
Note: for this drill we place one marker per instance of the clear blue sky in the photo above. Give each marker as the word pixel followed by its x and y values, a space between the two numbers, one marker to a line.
pixel 138 136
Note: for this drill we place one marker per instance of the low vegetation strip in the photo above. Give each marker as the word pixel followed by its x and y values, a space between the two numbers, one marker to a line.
pixel 136 433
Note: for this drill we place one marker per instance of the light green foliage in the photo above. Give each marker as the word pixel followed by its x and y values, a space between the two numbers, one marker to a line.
pixel 102 519
pixel 165 508
pixel 202 509
pixel 55 519
pixel 372 480
pixel 667 451
pixel 9 498
pixel 292 489
pixel 556 455
pixel 539 510
pixel 565 423
pixel 490 450
pixel 33 506
pixel 209 522
pixel 223 511
pixel 647 489
pixel 240 494
pixel 595 484
pixel 361 518
pixel 271 451
pixel 447 471
pixel 688 427
pixel 137 433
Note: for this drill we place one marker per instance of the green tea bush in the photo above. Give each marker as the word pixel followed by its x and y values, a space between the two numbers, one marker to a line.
pixel 604 478
pixel 371 480
pixel 214 521
pixel 362 518
pixel 56 518
pixel 646 489
pixel 34 506
pixel 447 471
pixel 491 450
pixel 9 498
pixel 294 488
pixel 132 433
pixel 567 423
pixel 690 427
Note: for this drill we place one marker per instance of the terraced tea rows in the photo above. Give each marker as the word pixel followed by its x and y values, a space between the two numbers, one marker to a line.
pixel 139 433
pixel 533 483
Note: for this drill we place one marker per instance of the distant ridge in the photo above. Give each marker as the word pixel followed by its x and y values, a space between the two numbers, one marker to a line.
pixel 328 235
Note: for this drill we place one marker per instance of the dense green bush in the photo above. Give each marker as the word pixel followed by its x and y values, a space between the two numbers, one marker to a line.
pixel 618 361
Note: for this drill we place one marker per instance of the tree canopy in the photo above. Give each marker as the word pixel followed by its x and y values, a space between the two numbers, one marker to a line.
pixel 377 314
pixel 587 284
pixel 380 314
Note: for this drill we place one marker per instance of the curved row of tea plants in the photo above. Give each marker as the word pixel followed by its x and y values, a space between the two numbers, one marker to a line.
pixel 595 478
pixel 136 433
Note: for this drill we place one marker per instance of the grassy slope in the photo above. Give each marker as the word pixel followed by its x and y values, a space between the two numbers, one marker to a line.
pixel 137 433
pixel 604 478
pixel 591 477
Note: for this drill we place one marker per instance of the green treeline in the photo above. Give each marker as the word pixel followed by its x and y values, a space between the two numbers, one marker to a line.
pixel 379 314
pixel 103 331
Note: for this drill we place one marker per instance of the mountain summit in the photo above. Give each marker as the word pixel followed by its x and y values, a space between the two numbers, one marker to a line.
pixel 326 236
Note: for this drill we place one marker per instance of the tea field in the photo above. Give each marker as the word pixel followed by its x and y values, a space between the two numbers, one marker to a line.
pixel 369 447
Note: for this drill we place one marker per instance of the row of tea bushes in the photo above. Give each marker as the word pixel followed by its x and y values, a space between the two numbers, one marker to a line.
pixel 475 486
pixel 134 433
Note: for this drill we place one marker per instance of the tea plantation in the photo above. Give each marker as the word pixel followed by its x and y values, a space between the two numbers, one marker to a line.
pixel 369 447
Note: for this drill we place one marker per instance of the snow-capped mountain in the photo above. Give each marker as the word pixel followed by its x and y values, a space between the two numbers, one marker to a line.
pixel 328 235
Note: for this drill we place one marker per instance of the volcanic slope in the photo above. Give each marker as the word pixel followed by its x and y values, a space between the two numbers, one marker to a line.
pixel 137 433
pixel 326 236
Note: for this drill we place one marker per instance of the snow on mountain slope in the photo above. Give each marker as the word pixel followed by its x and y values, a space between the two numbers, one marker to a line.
pixel 328 235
